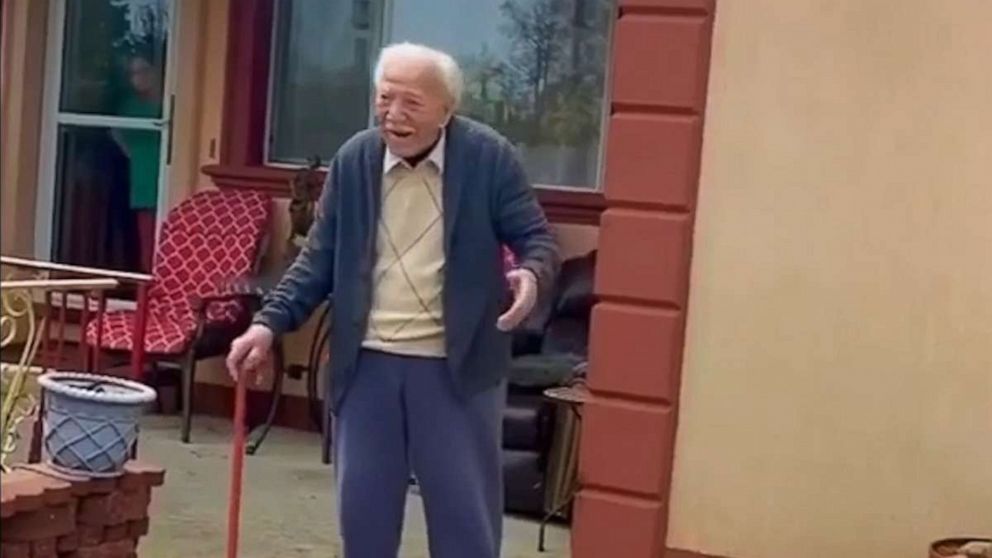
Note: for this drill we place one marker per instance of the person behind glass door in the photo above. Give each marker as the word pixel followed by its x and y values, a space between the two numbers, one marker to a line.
pixel 142 99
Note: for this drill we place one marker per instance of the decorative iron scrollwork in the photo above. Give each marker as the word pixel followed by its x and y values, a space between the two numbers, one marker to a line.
pixel 18 402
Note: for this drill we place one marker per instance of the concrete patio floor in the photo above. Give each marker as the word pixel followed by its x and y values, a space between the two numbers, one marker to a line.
pixel 288 504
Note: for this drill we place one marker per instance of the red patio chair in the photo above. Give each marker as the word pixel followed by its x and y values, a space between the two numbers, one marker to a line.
pixel 208 243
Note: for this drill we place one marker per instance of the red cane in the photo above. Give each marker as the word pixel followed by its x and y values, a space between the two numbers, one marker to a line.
pixel 237 466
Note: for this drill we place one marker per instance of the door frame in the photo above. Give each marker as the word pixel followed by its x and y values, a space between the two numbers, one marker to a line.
pixel 52 118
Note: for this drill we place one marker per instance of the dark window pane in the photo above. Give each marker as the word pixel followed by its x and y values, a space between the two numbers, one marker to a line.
pixel 114 57
pixel 321 87
pixel 106 184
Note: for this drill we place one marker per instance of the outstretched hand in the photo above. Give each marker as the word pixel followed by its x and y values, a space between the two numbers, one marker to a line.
pixel 523 283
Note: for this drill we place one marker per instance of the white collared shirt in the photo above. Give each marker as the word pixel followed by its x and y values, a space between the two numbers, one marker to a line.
pixel 436 156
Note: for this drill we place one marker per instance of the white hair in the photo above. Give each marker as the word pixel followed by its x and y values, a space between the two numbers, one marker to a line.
pixel 446 66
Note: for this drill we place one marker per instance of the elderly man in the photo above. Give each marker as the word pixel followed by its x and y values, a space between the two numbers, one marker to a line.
pixel 408 238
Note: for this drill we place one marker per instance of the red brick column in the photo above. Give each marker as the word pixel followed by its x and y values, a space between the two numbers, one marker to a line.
pixel 659 74
pixel 45 516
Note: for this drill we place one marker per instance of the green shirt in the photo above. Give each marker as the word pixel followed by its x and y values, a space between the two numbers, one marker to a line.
pixel 144 152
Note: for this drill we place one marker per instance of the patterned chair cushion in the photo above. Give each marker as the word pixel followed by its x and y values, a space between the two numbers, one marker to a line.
pixel 206 242
pixel 163 334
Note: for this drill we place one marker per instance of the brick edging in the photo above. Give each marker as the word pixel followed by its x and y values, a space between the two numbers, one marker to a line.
pixel 47 514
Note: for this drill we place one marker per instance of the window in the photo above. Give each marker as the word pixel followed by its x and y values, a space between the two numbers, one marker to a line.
pixel 321 77
pixel 534 70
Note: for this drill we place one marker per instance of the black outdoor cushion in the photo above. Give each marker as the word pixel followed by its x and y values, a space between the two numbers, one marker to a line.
pixel 525 421
pixel 523 481
pixel 543 370
pixel 575 289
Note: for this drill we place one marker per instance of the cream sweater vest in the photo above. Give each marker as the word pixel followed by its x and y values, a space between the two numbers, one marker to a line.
pixel 407 315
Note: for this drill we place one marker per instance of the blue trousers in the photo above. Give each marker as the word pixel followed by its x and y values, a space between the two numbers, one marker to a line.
pixel 402 415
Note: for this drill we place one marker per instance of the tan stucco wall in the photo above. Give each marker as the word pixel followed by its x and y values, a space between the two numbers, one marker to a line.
pixel 23 57
pixel 184 171
pixel 837 385
pixel 213 60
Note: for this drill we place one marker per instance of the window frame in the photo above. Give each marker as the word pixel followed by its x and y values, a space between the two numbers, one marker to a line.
pixel 245 121
pixel 378 34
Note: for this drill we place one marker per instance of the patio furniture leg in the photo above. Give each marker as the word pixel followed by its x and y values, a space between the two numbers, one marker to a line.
pixel 317 348
pixel 100 311
pixel 258 435
pixel 47 330
pixel 551 515
pixel 188 379
pixel 84 348
pixel 37 432
pixel 60 341
pixel 325 434
pixel 138 348
pixel 134 447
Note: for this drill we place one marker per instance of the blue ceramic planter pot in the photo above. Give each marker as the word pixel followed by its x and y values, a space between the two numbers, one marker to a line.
pixel 91 421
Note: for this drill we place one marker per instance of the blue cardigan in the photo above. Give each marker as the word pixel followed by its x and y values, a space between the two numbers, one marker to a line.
pixel 488 203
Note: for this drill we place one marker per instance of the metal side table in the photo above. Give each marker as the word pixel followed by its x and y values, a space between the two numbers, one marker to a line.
pixel 562 477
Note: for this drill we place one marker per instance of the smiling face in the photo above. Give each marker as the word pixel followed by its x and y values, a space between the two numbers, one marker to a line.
pixel 411 105
pixel 142 76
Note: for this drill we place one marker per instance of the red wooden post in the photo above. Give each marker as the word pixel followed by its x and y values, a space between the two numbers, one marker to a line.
pixel 237 467
pixel 140 323
pixel 46 349
pixel 84 353
pixel 101 309
pixel 60 342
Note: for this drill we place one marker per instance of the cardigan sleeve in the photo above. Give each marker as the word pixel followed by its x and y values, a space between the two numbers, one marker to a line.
pixel 309 279
pixel 520 221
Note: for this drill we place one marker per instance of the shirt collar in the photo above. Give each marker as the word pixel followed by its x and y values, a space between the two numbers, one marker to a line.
pixel 436 156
